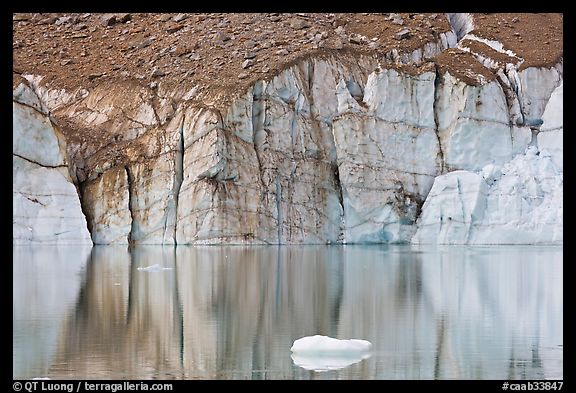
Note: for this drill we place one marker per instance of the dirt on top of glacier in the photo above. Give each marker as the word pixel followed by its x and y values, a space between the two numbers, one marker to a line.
pixel 227 52
pixel 535 37
pixel 212 49
pixel 468 69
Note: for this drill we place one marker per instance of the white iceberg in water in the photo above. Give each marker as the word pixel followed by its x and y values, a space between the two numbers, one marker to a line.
pixel 154 268
pixel 322 353
pixel 329 346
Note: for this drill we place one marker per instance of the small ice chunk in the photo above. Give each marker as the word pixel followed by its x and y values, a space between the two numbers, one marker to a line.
pixel 322 353
pixel 154 268
pixel 330 346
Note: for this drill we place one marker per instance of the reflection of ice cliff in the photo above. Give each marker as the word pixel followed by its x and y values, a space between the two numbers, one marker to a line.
pixel 46 282
pixel 225 312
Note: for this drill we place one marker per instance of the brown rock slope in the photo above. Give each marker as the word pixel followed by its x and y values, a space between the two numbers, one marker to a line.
pixel 217 51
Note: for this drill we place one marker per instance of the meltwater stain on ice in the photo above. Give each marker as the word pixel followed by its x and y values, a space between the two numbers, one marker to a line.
pixel 154 268
pixel 322 353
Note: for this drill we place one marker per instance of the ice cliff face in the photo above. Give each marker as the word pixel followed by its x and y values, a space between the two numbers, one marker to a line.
pixel 550 137
pixel 333 149
pixel 511 191
pixel 518 203
pixel 46 207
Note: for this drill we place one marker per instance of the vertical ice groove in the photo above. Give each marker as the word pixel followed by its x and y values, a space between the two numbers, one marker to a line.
pixel 258 117
pixel 437 83
pixel 179 174
pixel 84 208
pixel 279 208
pixel 131 197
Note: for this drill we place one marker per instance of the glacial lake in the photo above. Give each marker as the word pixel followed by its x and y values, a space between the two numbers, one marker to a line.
pixel 233 312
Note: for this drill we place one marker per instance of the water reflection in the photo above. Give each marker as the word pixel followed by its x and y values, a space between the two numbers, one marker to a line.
pixel 234 312
pixel 46 282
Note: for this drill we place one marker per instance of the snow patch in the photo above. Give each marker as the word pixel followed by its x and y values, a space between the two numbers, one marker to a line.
pixel 496 45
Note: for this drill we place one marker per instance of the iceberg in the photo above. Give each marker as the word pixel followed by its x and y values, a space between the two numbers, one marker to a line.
pixel 322 353
pixel 154 268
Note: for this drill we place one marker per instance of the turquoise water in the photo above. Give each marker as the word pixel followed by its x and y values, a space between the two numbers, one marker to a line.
pixel 233 312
